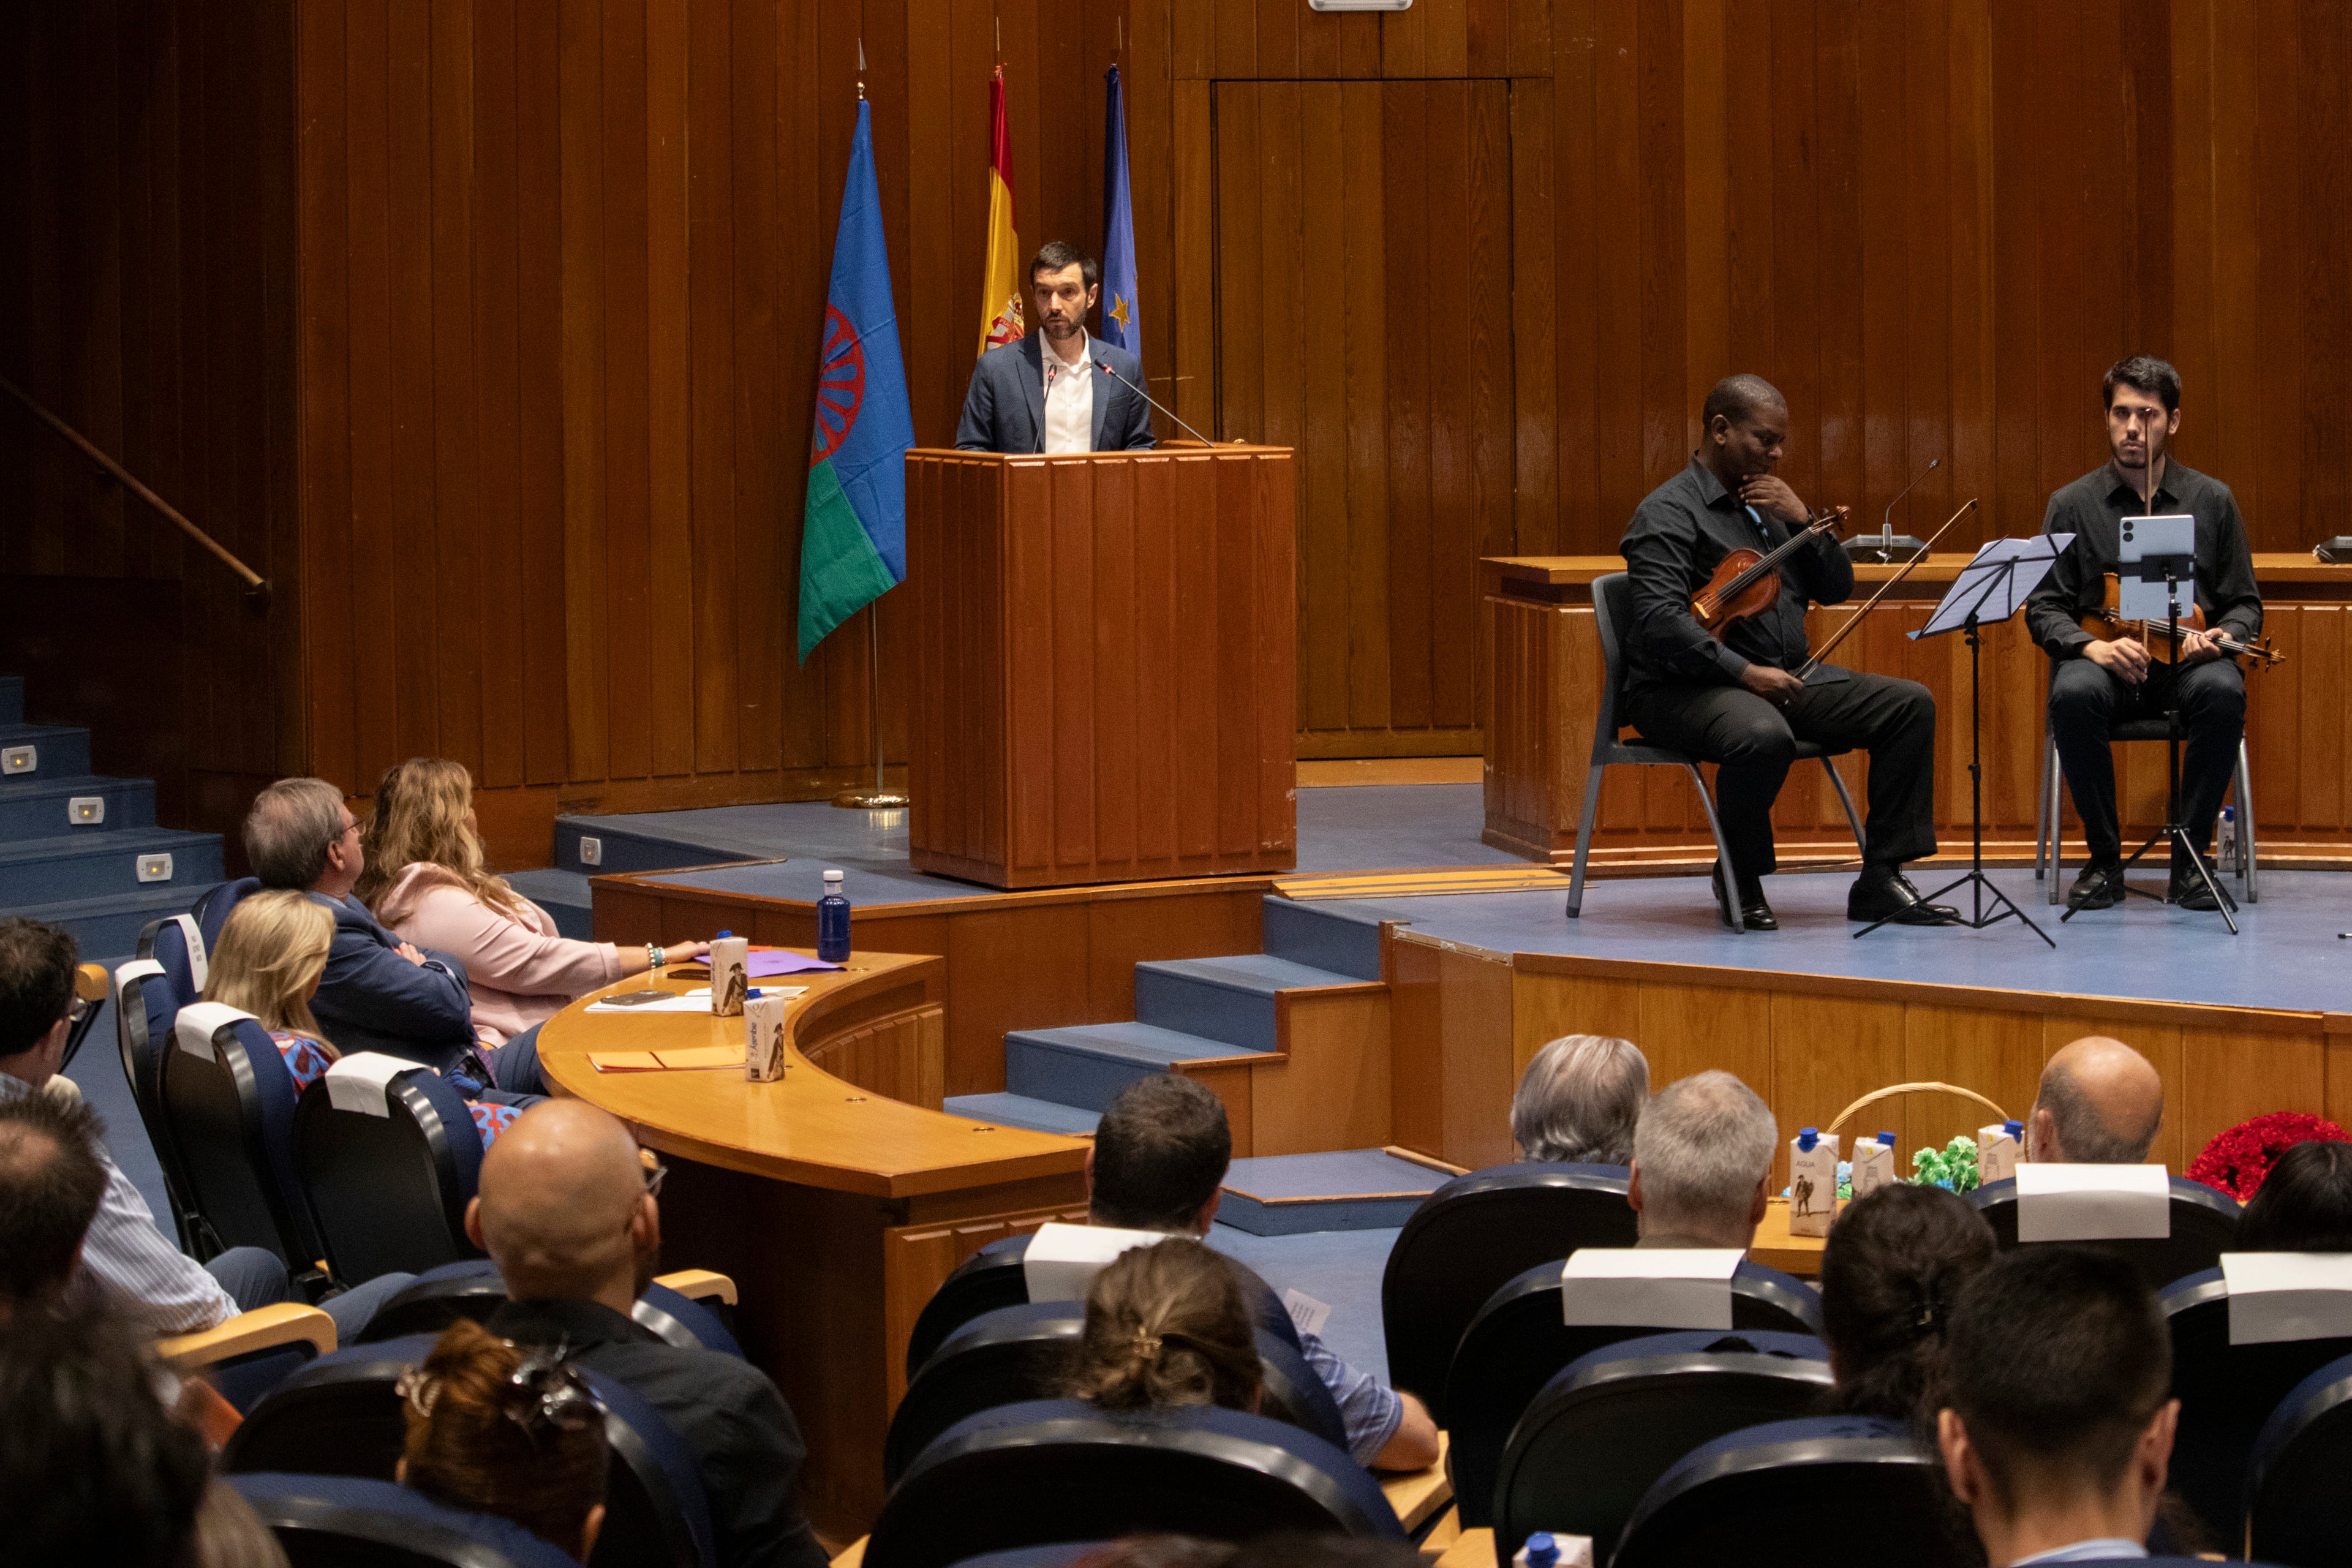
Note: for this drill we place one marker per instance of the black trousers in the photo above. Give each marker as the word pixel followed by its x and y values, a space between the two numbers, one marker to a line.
pixel 1753 743
pixel 2084 699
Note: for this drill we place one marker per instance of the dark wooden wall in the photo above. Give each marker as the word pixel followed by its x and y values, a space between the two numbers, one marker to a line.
pixel 556 268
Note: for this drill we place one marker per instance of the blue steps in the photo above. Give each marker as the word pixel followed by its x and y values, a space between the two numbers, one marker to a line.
pixel 1020 1111
pixel 564 894
pixel 1088 1065
pixel 626 849
pixel 1227 999
pixel 83 876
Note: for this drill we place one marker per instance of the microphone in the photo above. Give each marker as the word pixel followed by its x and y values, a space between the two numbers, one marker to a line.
pixel 1885 545
pixel 1104 367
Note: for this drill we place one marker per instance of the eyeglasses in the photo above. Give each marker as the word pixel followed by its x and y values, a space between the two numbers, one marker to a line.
pixel 79 1011
pixel 655 1173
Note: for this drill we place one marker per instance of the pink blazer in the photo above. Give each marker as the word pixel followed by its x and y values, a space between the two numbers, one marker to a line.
pixel 520 971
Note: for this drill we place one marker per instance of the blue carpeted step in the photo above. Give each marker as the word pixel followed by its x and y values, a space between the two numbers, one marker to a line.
pixel 1347 1189
pixel 12 698
pixel 1087 1064
pixel 111 924
pixel 90 864
pixel 58 752
pixel 1228 999
pixel 1020 1111
pixel 1337 935
pixel 36 806
pixel 627 848
pixel 564 894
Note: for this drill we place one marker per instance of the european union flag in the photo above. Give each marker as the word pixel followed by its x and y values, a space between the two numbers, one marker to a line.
pixel 1122 319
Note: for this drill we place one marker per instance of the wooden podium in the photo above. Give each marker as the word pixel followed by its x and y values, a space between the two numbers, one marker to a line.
pixel 1105 676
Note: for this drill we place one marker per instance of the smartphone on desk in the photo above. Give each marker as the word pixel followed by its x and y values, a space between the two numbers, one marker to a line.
pixel 633 998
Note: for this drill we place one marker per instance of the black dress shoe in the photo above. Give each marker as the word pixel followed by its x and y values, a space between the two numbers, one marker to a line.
pixel 2189 892
pixel 2099 887
pixel 1880 893
pixel 1754 912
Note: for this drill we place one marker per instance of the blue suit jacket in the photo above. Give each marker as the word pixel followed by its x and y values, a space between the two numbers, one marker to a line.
pixel 1006 409
pixel 372 999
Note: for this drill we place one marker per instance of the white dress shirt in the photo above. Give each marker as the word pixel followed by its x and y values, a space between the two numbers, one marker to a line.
pixel 1069 396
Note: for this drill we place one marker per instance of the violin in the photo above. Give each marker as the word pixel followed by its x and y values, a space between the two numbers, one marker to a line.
pixel 1748 582
pixel 2107 623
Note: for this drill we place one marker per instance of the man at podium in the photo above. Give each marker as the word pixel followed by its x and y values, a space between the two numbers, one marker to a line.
pixel 1057 389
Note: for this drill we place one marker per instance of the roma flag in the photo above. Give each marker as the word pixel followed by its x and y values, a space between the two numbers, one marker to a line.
pixel 853 527
pixel 1000 281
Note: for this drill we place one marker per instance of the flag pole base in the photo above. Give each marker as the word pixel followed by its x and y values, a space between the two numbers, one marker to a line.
pixel 873 800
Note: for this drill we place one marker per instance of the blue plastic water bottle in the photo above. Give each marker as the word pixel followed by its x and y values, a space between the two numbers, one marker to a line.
pixel 833 922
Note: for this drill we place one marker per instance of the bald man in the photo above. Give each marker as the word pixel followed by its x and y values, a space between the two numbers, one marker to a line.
pixel 566 1212
pixel 2100 1103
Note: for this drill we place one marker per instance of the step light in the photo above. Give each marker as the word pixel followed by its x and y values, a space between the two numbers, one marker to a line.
pixel 154 867
pixel 592 851
pixel 85 810
pixel 20 759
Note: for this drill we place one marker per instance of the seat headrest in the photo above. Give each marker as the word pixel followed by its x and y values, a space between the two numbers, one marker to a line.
pixel 198 1022
pixel 359 1508
pixel 361 1082
pixel 192 937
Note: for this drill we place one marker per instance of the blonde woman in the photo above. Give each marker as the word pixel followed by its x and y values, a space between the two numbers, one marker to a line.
pixel 424 880
pixel 266 962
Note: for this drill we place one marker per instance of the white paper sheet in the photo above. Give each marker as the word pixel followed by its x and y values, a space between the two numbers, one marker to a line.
pixel 2093 1203
pixel 2279 1296
pixel 358 1082
pixel 1652 1287
pixel 1063 1259
pixel 1308 1315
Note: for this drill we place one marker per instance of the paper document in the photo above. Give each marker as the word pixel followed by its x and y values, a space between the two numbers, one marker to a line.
pixel 695 1001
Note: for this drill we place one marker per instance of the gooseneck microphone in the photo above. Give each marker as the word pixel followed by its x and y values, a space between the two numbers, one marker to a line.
pixel 1886 524
pixel 1155 402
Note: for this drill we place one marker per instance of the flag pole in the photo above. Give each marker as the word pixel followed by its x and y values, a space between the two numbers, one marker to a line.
pixel 881 797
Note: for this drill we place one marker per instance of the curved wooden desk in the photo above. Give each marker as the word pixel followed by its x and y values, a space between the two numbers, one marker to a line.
pixel 837 1197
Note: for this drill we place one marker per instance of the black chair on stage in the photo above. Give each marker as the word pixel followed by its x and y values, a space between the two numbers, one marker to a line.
pixel 1021 1353
pixel 2204 1227
pixel 1517 1343
pixel 341 1416
pixel 389 1191
pixel 1475 1234
pixel 1604 1431
pixel 472 1290
pixel 1612 620
pixel 1059 1470
pixel 348 1521
pixel 1775 1493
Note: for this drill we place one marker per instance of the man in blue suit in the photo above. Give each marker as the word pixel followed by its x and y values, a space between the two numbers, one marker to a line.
pixel 1057 389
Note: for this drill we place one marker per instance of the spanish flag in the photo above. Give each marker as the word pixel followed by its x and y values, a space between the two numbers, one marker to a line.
pixel 1000 291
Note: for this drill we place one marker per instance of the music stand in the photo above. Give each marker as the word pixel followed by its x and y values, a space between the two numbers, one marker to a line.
pixel 1991 587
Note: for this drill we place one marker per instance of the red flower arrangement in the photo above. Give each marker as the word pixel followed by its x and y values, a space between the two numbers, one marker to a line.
pixel 2238 1160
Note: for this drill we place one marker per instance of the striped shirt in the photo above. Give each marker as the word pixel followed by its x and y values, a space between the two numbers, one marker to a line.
pixel 131 1265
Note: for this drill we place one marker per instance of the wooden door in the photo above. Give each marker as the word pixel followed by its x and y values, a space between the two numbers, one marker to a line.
pixel 1363 316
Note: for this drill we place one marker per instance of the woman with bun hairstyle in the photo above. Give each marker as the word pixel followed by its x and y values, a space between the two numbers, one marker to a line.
pixel 1894 1264
pixel 1167 1325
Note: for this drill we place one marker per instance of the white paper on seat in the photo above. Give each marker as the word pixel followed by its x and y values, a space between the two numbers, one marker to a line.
pixel 1063 1259
pixel 199 962
pixel 359 1081
pixel 2279 1296
pixel 199 1021
pixel 2093 1203
pixel 1648 1287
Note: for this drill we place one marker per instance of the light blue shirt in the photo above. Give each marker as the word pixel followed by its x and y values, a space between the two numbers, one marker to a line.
pixel 2106 1549
pixel 1371 1412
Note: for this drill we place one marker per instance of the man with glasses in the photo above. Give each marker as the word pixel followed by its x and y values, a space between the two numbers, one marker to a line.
pixel 2097 681
pixel 567 1211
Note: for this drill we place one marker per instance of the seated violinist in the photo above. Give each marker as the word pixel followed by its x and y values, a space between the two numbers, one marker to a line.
pixel 1731 694
pixel 2097 679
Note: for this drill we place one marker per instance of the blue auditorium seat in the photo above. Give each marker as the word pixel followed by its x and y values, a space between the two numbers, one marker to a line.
pixel 472 1289
pixel 1475 1234
pixel 340 1416
pixel 1777 1492
pixel 228 1102
pixel 389 1192
pixel 2204 1227
pixel 994 1277
pixel 213 906
pixel 336 1521
pixel 1018 1353
pixel 2294 1477
pixel 1604 1431
pixel 1518 1342
pixel 1060 1470
pixel 147 995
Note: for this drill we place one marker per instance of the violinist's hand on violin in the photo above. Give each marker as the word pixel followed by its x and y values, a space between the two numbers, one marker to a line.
pixel 1773 498
pixel 1776 687
pixel 2197 646
pixel 2124 657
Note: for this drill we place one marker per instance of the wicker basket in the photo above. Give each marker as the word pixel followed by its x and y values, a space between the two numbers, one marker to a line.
pixel 1891 1090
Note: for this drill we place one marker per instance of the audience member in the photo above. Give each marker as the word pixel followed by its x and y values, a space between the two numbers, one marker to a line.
pixel 492 1430
pixel 45 1147
pixel 229 1534
pixel 567 1213
pixel 1323 1552
pixel 1156 1552
pixel 2100 1103
pixel 1579 1101
pixel 1892 1271
pixel 2056 1428
pixel 1168 1325
pixel 2304 1205
pixel 268 960
pixel 1702 1162
pixel 378 994
pixel 424 880
pixel 1158 1163
pixel 51 1182
pixel 94 1467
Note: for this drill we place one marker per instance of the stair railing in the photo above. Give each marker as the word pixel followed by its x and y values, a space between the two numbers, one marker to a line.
pixel 256 588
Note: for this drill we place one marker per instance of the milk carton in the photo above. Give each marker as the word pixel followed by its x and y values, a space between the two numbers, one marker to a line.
pixel 763 1036
pixel 1874 1164
pixel 1998 1145
pixel 1812 1181
pixel 1549 1549
pixel 728 981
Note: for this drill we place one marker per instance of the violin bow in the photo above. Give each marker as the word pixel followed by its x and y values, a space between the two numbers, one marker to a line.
pixel 1854 620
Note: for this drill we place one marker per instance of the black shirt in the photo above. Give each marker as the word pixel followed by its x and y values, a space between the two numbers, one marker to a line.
pixel 726 1412
pixel 1679 534
pixel 2092 508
